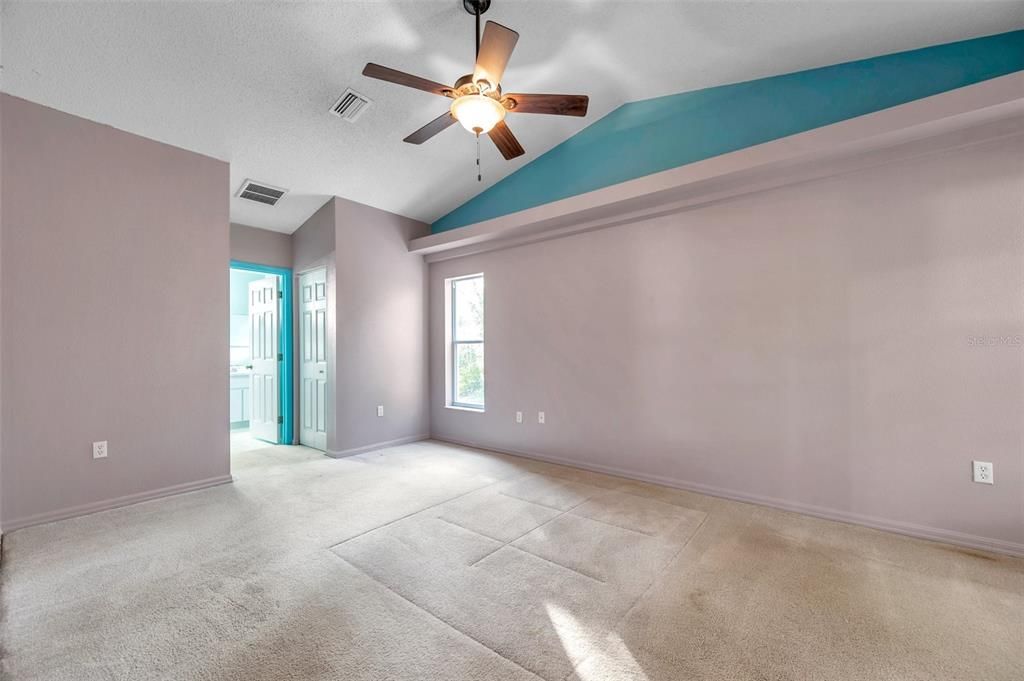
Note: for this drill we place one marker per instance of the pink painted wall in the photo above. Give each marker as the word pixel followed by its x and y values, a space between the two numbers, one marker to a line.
pixel 260 246
pixel 115 252
pixel 377 324
pixel 381 330
pixel 1 309
pixel 813 347
pixel 313 241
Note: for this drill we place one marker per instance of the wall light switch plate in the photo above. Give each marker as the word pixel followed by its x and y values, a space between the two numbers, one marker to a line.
pixel 983 472
pixel 519 417
pixel 540 417
pixel 99 450
pixel 380 410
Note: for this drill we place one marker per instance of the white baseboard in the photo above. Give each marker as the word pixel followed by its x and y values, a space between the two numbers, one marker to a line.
pixel 896 526
pixel 341 454
pixel 117 502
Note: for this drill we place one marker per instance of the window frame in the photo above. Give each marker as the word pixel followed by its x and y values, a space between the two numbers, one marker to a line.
pixel 454 343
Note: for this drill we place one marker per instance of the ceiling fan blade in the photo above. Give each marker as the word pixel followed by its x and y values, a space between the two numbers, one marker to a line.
pixel 556 105
pixel 407 79
pixel 430 129
pixel 495 48
pixel 506 142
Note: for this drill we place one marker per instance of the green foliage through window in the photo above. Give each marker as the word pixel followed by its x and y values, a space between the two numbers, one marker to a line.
pixel 467 304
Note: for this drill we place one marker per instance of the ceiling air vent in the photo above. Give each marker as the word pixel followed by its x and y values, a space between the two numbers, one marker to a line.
pixel 350 105
pixel 260 192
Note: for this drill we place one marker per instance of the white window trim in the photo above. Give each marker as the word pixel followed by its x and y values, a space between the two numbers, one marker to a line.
pixel 450 345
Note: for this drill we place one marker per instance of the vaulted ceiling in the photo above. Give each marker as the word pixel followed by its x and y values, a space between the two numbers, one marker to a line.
pixel 252 83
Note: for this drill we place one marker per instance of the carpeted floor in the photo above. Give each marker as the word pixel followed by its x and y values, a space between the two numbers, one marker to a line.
pixel 435 562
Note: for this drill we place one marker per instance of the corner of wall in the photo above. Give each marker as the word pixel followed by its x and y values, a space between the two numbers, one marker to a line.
pixel 381 307
pixel 314 240
pixel 2 287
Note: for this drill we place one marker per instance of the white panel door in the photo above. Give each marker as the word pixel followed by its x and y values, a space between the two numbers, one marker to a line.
pixel 313 359
pixel 264 334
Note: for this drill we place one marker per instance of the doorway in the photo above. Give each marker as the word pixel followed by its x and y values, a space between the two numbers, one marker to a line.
pixel 313 358
pixel 260 371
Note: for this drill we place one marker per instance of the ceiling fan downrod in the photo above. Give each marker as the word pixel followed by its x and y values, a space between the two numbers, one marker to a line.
pixel 476 8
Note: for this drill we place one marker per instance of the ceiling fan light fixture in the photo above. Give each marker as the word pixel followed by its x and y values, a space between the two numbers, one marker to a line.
pixel 479 104
pixel 478 113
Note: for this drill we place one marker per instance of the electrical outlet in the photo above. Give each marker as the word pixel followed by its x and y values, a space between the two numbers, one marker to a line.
pixel 519 417
pixel 540 417
pixel 99 450
pixel 983 472
pixel 380 410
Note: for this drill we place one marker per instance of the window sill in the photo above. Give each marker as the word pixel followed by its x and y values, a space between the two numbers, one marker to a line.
pixel 474 410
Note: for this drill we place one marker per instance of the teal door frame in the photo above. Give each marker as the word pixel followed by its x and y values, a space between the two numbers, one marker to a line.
pixel 286 431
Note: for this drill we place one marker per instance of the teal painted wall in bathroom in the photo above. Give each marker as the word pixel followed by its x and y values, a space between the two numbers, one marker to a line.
pixel 649 136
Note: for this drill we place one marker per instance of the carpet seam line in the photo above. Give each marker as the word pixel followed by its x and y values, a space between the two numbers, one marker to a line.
pixel 468 529
pixel 618 624
pixel 667 563
pixel 659 501
pixel 620 527
pixel 409 515
pixel 527 501
pixel 439 619
pixel 552 519
pixel 548 560
pixel 535 503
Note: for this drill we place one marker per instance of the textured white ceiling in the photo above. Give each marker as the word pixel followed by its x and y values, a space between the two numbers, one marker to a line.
pixel 251 83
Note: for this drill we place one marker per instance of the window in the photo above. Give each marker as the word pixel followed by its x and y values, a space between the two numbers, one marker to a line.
pixel 466 346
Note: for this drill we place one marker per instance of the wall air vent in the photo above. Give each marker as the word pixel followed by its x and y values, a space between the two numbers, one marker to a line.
pixel 350 105
pixel 261 192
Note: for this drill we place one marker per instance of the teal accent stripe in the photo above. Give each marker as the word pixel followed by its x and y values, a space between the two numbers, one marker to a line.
pixel 286 433
pixel 645 137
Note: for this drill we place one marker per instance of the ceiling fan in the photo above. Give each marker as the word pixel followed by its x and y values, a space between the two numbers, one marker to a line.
pixel 479 103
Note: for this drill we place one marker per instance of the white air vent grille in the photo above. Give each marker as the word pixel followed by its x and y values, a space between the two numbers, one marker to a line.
pixel 261 192
pixel 350 105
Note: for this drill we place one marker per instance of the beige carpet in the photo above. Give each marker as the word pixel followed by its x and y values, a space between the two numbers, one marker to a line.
pixel 430 561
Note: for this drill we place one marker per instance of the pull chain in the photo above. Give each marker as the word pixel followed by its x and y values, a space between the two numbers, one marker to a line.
pixel 476 44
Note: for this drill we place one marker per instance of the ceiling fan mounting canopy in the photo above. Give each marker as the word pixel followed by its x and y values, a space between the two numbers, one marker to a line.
pixel 480 104
pixel 475 7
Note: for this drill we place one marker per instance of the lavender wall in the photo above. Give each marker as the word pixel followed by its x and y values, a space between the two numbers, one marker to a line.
pixel 812 347
pixel 115 251
pixel 381 331
pixel 312 247
pixel 260 246
pixel 313 241
pixel 377 327
pixel 1 312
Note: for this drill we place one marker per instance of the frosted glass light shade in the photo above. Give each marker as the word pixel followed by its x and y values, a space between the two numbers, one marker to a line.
pixel 478 113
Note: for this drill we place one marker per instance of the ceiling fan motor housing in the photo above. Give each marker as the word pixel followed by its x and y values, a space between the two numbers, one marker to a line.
pixel 467 86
